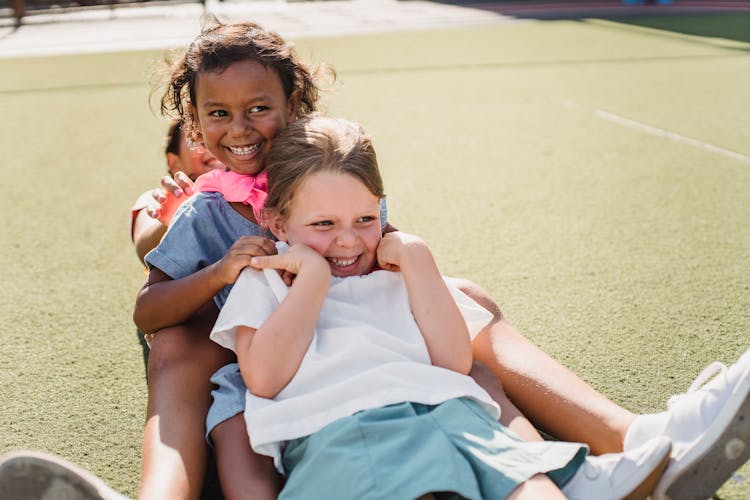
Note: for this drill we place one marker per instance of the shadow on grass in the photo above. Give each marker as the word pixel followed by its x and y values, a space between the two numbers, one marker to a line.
pixel 146 350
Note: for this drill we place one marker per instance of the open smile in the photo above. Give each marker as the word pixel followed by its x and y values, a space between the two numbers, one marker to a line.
pixel 245 152
pixel 342 262
pixel 342 267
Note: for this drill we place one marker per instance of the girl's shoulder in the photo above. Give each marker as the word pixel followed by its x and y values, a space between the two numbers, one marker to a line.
pixel 206 199
pixel 211 208
pixel 207 205
pixel 198 203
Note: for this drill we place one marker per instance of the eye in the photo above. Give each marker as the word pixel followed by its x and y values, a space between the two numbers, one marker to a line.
pixel 218 113
pixel 366 218
pixel 258 109
pixel 322 223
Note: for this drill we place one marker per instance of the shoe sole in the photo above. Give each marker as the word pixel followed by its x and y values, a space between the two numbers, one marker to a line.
pixel 644 489
pixel 32 476
pixel 710 463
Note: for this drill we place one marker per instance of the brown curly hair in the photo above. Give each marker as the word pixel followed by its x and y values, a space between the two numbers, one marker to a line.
pixel 220 45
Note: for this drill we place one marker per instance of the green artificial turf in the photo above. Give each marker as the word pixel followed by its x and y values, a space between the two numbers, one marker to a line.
pixel 580 171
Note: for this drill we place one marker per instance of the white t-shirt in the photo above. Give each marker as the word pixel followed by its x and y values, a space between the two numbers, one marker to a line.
pixel 367 352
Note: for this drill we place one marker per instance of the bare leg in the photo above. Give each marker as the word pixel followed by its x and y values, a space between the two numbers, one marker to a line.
pixel 180 365
pixel 539 486
pixel 242 473
pixel 510 416
pixel 555 399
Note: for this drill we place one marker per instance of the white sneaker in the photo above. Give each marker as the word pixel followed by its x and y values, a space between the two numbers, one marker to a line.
pixel 631 475
pixel 709 427
pixel 37 476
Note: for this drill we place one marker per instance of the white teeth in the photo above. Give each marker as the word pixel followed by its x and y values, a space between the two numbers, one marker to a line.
pixel 343 262
pixel 244 150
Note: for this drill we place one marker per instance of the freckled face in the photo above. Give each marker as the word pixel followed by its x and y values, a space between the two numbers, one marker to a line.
pixel 239 111
pixel 338 217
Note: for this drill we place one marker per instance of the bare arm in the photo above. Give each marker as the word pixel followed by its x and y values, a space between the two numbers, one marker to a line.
pixel 147 233
pixel 151 223
pixel 436 313
pixel 166 302
pixel 271 355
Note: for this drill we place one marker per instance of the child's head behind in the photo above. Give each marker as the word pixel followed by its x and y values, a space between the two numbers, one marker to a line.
pixel 219 50
pixel 184 156
pixel 324 190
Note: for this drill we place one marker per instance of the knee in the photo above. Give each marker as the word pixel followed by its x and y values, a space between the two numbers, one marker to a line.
pixel 483 376
pixel 183 351
pixel 242 472
pixel 169 348
pixel 481 297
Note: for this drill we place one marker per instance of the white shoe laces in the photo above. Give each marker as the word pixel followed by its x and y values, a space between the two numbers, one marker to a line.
pixel 708 373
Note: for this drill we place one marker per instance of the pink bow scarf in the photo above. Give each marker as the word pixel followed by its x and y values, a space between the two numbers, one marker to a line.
pixel 248 189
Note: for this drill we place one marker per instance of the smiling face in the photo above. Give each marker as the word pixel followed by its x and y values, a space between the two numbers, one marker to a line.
pixel 239 111
pixel 336 215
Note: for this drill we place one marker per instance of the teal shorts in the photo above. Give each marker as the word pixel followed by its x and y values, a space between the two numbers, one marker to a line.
pixel 407 450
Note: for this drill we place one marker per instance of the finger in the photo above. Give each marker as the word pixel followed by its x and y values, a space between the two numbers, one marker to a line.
pixel 182 179
pixel 253 250
pixel 268 246
pixel 267 261
pixel 153 212
pixel 158 196
pixel 170 186
pixel 257 245
pixel 249 249
pixel 288 278
pixel 388 266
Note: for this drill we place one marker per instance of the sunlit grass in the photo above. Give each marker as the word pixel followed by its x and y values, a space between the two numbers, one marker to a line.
pixel 621 252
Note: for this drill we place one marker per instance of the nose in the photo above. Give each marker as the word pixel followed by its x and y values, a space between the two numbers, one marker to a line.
pixel 240 125
pixel 346 238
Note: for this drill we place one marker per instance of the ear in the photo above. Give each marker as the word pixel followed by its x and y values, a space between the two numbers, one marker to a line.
pixel 277 225
pixel 193 134
pixel 293 105
pixel 173 163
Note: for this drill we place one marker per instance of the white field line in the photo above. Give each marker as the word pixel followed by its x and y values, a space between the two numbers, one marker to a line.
pixel 626 122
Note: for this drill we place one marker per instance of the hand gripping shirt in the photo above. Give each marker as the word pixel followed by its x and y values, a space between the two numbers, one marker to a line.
pixel 201 232
pixel 367 352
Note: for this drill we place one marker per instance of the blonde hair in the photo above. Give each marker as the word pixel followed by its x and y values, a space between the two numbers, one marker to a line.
pixel 318 144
